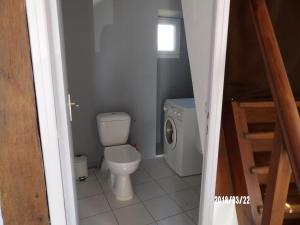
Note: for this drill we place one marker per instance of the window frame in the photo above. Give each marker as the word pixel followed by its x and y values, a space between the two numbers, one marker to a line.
pixel 176 22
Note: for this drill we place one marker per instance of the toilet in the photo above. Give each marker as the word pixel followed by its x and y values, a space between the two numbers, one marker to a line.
pixel 122 159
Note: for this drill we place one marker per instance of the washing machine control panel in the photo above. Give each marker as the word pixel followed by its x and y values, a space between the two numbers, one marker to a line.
pixel 174 112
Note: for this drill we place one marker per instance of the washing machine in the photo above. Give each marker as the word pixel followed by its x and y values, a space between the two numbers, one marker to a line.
pixel 181 137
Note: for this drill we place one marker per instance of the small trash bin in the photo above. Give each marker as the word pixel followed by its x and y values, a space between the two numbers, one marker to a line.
pixel 81 168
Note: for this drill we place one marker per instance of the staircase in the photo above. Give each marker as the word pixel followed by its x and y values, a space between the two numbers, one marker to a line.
pixel 263 140
pixel 249 130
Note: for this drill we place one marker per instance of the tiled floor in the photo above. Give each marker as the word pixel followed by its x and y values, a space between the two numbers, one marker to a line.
pixel 162 198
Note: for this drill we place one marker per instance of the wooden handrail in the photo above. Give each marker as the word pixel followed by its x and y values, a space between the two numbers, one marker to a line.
pixel 279 84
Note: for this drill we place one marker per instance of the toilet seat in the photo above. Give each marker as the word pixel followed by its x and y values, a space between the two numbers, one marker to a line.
pixel 122 154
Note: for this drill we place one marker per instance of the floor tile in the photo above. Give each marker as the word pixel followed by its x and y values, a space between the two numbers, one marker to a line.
pixel 197 190
pixel 92 205
pixel 103 178
pixel 193 215
pixel 162 207
pixel 193 180
pixel 116 204
pixel 140 176
pixel 160 172
pixel 106 218
pixel 88 188
pixel 172 184
pixel 148 190
pixel 91 176
pixel 180 219
pixel 101 175
pixel 133 215
pixel 186 199
pixel 151 163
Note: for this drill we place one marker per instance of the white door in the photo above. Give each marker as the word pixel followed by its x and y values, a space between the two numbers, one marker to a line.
pixel 206 24
pixel 46 39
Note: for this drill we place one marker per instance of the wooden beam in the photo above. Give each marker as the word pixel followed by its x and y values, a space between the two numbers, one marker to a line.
pixel 279 84
pixel 224 182
pixel 278 183
pixel 22 184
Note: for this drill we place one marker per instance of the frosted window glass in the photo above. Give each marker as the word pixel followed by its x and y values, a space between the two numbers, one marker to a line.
pixel 166 37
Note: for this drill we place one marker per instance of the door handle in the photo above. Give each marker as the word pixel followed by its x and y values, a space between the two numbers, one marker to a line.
pixel 70 103
pixel 75 104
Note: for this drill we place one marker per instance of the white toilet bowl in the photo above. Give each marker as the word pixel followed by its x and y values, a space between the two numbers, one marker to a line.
pixel 122 160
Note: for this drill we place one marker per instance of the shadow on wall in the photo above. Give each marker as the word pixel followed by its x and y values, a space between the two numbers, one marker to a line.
pixel 173 81
pixel 119 74
pixel 79 47
pixel 125 78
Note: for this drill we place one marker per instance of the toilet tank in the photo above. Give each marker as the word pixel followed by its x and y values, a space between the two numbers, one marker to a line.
pixel 113 128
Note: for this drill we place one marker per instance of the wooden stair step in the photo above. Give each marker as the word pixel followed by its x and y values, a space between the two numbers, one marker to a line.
pixel 260 170
pixel 259 136
pixel 262 145
pixel 262 174
pixel 292 211
pixel 261 104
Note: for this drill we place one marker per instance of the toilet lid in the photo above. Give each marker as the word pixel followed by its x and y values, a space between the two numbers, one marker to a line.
pixel 122 154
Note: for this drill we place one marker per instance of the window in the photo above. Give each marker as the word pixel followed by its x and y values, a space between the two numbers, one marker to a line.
pixel 168 38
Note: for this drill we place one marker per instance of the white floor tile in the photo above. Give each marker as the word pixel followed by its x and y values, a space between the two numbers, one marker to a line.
pixel 193 180
pixel 91 176
pixel 88 188
pixel 103 177
pixel 197 190
pixel 140 176
pixel 151 163
pixel 160 172
pixel 116 204
pixel 133 215
pixel 106 218
pixel 193 215
pixel 172 184
pixel 162 207
pixel 180 219
pixel 92 205
pixel 148 190
pixel 186 199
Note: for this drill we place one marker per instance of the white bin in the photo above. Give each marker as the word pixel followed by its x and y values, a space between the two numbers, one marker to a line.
pixel 81 168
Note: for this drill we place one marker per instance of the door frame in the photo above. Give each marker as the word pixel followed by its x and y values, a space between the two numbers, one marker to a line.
pixel 48 60
pixel 46 37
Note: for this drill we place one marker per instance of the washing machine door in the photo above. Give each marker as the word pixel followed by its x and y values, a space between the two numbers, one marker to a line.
pixel 170 133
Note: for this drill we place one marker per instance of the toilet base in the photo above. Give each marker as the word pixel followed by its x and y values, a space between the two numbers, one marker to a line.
pixel 121 186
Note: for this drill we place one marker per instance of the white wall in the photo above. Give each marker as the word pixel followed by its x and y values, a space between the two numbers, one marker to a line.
pixel 206 24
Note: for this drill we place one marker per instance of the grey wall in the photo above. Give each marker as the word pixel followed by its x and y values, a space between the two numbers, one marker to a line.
pixel 173 81
pixel 126 70
pixel 79 44
pixel 122 73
